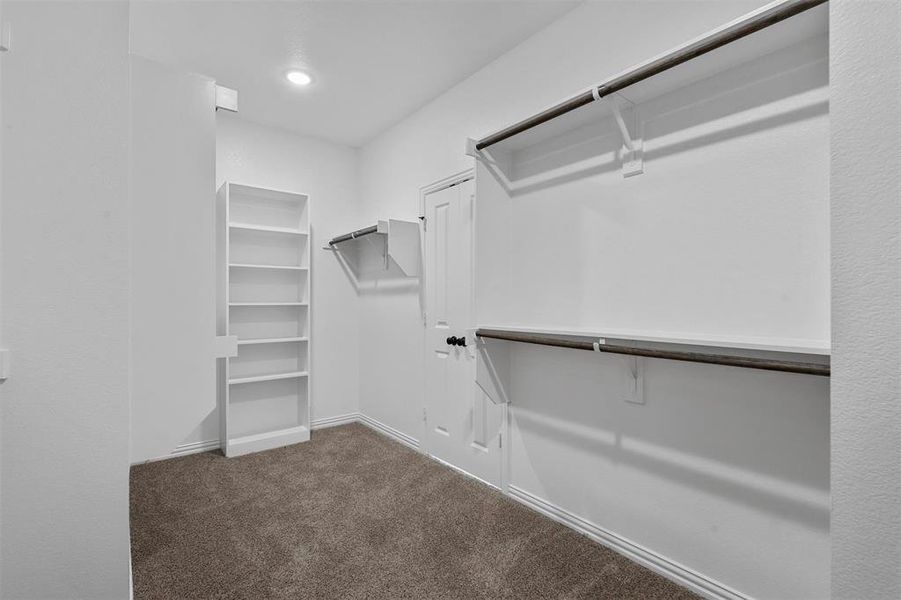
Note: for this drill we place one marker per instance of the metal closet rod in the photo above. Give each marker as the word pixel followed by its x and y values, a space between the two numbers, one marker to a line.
pixel 353 235
pixel 712 359
pixel 664 63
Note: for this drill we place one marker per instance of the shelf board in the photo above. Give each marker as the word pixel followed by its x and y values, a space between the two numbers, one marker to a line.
pixel 253 266
pixel 273 377
pixel 268 304
pixel 267 228
pixel 803 27
pixel 266 441
pixel 283 340
pixel 787 345
pixel 769 359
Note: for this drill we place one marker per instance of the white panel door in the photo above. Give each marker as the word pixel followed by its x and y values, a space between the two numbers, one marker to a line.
pixel 462 424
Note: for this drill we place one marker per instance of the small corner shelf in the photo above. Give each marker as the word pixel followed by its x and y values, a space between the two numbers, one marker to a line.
pixel 263 273
pixel 401 242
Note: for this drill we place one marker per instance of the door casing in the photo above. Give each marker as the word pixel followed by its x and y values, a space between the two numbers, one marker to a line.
pixel 458 178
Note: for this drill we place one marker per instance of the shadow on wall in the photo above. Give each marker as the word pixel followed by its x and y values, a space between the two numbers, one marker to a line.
pixel 370 269
pixel 756 438
pixel 586 142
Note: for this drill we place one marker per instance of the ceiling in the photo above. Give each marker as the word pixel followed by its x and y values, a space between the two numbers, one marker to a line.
pixel 373 62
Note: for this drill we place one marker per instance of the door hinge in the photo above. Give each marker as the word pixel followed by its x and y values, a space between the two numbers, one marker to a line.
pixel 423 220
pixel 424 415
pixel 500 440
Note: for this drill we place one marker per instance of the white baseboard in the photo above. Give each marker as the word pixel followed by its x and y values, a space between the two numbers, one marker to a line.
pixel 389 431
pixel 325 422
pixel 696 582
pixel 463 472
pixel 195 447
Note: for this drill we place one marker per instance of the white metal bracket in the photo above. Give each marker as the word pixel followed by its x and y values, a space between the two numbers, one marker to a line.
pixel 632 152
pixel 636 370
pixel 471 149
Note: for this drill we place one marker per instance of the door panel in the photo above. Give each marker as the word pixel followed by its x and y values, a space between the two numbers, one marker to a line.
pixel 462 424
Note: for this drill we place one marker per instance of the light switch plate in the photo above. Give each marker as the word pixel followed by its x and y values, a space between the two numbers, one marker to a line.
pixel 5 36
pixel 4 365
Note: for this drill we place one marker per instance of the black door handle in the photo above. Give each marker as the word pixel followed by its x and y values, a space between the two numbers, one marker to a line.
pixel 455 341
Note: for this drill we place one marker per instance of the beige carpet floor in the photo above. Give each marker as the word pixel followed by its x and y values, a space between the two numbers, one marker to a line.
pixel 354 515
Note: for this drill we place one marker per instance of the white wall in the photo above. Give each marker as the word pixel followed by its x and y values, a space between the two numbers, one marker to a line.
pixel 257 155
pixel 65 411
pixel 723 471
pixel 866 220
pixel 173 285
pixel 2 343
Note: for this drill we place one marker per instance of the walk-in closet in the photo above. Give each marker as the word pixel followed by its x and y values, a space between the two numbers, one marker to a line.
pixel 450 299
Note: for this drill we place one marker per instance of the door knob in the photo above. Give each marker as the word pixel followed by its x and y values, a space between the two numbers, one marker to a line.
pixel 451 341
pixel 461 341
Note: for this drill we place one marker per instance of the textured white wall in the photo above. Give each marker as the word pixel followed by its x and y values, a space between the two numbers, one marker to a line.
pixel 258 155
pixel 723 471
pixel 866 282
pixel 65 412
pixel 173 285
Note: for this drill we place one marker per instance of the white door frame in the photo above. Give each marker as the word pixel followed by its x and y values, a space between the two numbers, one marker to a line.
pixel 423 296
pixel 457 178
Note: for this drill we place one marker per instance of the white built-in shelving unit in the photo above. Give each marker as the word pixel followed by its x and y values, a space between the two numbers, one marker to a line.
pixel 263 256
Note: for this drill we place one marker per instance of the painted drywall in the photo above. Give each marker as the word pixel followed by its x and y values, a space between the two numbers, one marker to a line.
pixel 173 288
pixel 65 413
pixel 260 156
pixel 866 219
pixel 2 344
pixel 725 472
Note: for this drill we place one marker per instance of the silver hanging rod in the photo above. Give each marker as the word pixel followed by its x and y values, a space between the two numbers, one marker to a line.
pixel 763 19
pixel 353 235
pixel 712 358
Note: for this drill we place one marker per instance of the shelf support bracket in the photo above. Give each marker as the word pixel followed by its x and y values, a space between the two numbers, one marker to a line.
pixel 632 152
pixel 636 370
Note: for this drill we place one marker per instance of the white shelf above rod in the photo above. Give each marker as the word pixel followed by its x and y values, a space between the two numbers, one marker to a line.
pixel 402 238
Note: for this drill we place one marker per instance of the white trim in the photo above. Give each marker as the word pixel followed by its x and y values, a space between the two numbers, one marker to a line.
pixel 184 450
pixel 326 422
pixel 696 582
pixel 323 423
pixel 463 472
pixel 389 431
pixel 195 447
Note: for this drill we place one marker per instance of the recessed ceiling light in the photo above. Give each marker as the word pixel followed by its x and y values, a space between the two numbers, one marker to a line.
pixel 298 77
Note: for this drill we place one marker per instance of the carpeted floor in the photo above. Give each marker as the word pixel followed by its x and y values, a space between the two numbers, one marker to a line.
pixel 352 514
